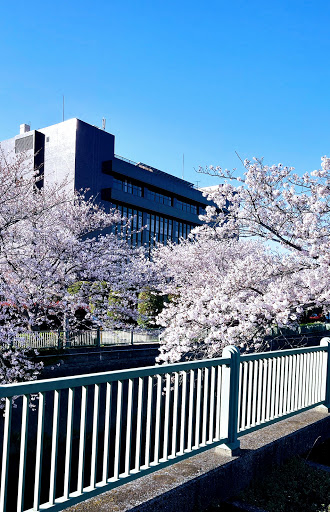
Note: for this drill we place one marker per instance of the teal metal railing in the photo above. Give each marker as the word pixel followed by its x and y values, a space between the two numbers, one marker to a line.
pixel 68 439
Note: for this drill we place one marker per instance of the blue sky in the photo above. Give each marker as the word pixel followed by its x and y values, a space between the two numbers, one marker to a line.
pixel 201 78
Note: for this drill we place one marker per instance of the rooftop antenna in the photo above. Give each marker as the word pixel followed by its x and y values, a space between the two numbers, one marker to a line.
pixel 103 123
pixel 63 109
pixel 183 166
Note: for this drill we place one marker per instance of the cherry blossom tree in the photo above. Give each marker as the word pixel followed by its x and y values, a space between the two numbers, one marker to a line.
pixel 58 253
pixel 227 284
pixel 67 261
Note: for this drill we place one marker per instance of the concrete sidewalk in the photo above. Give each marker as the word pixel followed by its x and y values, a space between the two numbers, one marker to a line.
pixel 193 484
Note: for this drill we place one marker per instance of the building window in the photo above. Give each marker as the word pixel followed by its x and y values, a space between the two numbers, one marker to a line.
pixel 186 207
pixel 24 144
pixel 157 228
pixel 127 186
pixel 157 197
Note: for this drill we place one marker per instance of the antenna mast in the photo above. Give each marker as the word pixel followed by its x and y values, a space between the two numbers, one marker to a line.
pixel 183 166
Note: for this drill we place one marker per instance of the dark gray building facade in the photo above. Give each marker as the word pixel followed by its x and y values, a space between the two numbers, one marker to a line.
pixel 84 155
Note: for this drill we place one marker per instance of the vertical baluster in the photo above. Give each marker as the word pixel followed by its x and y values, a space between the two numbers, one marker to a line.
pixel 312 379
pixel 281 386
pixel 5 454
pixel 157 422
pixel 118 430
pixel 211 417
pixel 318 373
pixel 269 389
pixel 54 449
pixel 297 383
pixel 277 385
pixel 205 399
pixel 22 454
pixel 273 386
pixel 323 384
pixel 190 412
pixel 218 404
pixel 322 375
pixel 129 427
pixel 315 378
pixel 240 397
pixel 244 395
pixel 166 417
pixel 148 424
pixel 264 389
pixel 260 391
pixel 139 425
pixel 249 393
pixel 82 438
pixel 198 406
pixel 183 410
pixel 290 383
pixel 254 394
pixel 107 430
pixel 175 414
pixel 40 433
pixel 311 389
pixel 285 384
pixel 306 380
pixel 301 381
pixel 68 444
pixel 95 434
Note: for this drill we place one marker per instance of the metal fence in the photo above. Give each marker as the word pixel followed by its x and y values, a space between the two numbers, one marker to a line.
pixel 302 329
pixel 88 434
pixel 91 338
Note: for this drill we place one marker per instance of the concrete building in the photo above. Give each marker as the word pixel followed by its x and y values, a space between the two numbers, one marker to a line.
pixel 84 155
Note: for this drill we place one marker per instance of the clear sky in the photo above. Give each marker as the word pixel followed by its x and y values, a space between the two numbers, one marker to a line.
pixel 201 78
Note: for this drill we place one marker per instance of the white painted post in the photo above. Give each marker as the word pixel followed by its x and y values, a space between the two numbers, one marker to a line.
pixel 229 401
pixel 325 342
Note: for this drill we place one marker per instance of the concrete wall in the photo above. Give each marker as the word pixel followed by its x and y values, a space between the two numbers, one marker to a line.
pixel 60 153
pixel 93 146
pixel 80 361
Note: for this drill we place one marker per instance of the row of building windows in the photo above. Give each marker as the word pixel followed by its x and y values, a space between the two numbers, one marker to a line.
pixel 156 197
pixel 187 207
pixel 127 186
pixel 130 187
pixel 156 228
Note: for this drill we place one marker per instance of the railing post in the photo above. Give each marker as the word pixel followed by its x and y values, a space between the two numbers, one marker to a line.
pixel 132 337
pixel 229 401
pixel 325 342
pixel 67 338
pixel 98 337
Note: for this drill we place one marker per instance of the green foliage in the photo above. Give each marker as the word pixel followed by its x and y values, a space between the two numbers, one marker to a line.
pixel 149 306
pixel 293 487
pixel 75 287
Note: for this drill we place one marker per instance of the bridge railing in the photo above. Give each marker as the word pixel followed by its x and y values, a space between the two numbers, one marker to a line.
pixel 90 338
pixel 68 439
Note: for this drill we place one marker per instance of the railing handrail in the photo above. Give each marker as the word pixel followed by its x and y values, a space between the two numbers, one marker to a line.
pixel 280 353
pixel 42 385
